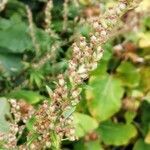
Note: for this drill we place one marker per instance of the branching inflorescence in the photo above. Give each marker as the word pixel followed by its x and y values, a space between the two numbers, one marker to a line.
pixel 51 121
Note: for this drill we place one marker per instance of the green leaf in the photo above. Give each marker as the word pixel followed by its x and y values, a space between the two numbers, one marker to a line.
pixel 30 96
pixel 30 124
pixel 15 37
pixel 129 74
pixel 84 124
pixel 103 64
pixel 116 133
pixel 141 145
pixel 145 117
pixel 4 112
pixel 129 116
pixel 43 39
pixel 36 77
pixel 90 145
pixel 11 64
pixel 145 82
pixel 84 30
pixel 104 96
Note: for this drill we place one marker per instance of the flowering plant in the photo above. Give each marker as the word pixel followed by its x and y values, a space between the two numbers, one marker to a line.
pixel 55 57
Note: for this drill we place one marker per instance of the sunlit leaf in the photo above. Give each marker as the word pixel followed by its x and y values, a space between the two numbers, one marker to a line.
pixel 116 133
pixel 30 96
pixel 84 124
pixel 104 96
pixel 129 74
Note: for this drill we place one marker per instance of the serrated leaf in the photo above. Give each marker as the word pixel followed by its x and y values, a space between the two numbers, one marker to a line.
pixel 129 74
pixel 29 96
pixel 104 96
pixel 141 145
pixel 84 124
pixel 4 111
pixel 116 133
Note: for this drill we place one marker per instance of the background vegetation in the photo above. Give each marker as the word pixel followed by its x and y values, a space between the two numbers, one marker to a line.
pixel 114 112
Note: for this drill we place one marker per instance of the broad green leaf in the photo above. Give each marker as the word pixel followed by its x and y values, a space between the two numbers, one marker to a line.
pixel 104 96
pixel 101 68
pixel 103 63
pixel 84 124
pixel 108 51
pixel 4 112
pixel 43 39
pixel 129 74
pixel 90 145
pixel 11 64
pixel 141 145
pixel 116 133
pixel 29 96
pixel 15 37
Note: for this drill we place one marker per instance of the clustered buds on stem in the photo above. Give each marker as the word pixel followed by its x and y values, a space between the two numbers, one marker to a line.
pixel 65 14
pixel 85 56
pixel 48 18
pixel 21 112
pixel 86 53
pixel 32 31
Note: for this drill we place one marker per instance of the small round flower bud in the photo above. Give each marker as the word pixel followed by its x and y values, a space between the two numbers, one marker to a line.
pixel 103 33
pixel 122 6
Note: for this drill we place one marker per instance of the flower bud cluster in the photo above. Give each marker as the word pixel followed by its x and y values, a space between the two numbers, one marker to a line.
pixel 9 139
pixel 48 18
pixel 86 53
pixel 32 31
pixel 85 56
pixel 21 110
pixel 65 14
